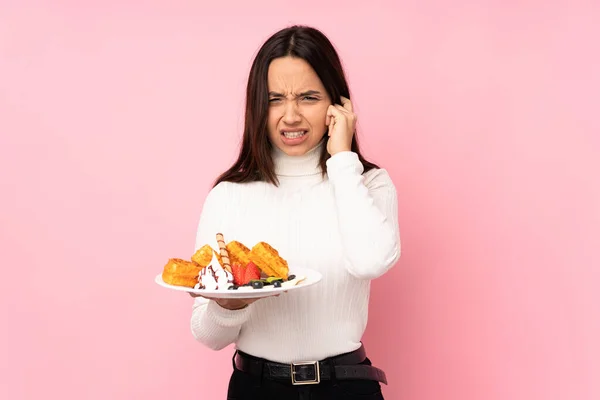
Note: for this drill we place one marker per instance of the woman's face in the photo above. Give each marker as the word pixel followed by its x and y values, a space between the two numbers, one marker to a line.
pixel 298 106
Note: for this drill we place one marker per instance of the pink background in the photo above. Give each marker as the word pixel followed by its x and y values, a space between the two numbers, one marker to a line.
pixel 116 116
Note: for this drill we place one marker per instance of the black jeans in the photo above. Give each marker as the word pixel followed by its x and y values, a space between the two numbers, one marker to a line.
pixel 247 387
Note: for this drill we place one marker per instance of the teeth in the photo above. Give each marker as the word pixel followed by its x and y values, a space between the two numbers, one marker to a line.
pixel 293 135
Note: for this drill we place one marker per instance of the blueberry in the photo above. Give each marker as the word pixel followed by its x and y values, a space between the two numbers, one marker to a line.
pixel 291 277
pixel 258 284
pixel 277 284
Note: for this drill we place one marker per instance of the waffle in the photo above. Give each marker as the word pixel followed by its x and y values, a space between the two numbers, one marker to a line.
pixel 180 272
pixel 238 253
pixel 203 256
pixel 268 260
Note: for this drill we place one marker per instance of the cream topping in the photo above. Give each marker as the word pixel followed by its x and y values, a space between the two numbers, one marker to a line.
pixel 214 277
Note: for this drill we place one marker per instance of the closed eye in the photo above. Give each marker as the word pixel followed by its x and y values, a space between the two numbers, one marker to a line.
pixel 303 98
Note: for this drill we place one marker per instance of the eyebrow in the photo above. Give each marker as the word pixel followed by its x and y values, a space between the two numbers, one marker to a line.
pixel 306 93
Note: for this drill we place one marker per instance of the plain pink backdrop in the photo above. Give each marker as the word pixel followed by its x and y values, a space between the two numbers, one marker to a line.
pixel 116 116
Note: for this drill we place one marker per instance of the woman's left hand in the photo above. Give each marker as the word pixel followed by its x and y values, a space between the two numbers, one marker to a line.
pixel 342 125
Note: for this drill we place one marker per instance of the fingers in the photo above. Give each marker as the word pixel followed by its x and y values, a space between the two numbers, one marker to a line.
pixel 330 119
pixel 347 113
pixel 343 110
pixel 347 108
pixel 195 295
pixel 336 111
pixel 347 104
pixel 229 301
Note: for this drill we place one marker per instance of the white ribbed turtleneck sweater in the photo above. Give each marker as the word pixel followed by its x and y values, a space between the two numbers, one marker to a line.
pixel 343 225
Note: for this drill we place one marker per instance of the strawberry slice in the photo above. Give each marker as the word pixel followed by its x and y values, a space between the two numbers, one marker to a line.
pixel 252 272
pixel 238 273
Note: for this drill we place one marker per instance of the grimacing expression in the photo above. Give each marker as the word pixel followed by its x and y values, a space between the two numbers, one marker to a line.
pixel 298 106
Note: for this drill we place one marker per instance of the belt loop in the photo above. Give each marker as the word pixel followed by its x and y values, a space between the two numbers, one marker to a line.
pixel 331 363
pixel 233 360
pixel 260 379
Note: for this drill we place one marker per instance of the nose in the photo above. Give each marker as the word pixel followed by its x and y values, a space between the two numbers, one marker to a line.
pixel 291 114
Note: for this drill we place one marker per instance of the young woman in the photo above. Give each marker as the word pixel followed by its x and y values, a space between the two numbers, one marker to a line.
pixel 301 184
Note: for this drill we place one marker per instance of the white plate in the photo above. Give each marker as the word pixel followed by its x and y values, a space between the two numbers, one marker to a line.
pixel 310 278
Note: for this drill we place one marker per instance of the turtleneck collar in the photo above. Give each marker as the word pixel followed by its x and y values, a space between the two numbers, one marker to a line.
pixel 304 165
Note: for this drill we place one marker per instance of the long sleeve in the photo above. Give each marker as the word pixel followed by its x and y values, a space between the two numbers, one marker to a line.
pixel 348 220
pixel 367 211
pixel 212 325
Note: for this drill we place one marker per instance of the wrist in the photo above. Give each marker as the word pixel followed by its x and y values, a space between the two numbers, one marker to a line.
pixel 341 150
pixel 232 306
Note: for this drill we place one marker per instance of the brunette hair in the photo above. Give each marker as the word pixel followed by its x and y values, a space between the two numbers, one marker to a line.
pixel 254 161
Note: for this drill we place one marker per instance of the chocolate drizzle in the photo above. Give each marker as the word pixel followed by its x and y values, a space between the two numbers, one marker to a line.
pixel 223 252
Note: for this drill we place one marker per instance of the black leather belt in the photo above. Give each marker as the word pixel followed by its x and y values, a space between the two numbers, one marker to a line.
pixel 345 366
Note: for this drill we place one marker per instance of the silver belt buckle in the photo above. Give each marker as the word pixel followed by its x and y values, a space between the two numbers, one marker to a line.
pixel 315 381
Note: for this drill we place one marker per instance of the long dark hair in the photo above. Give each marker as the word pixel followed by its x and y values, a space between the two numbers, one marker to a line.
pixel 254 162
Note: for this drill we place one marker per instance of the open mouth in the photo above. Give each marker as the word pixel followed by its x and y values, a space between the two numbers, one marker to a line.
pixel 293 135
